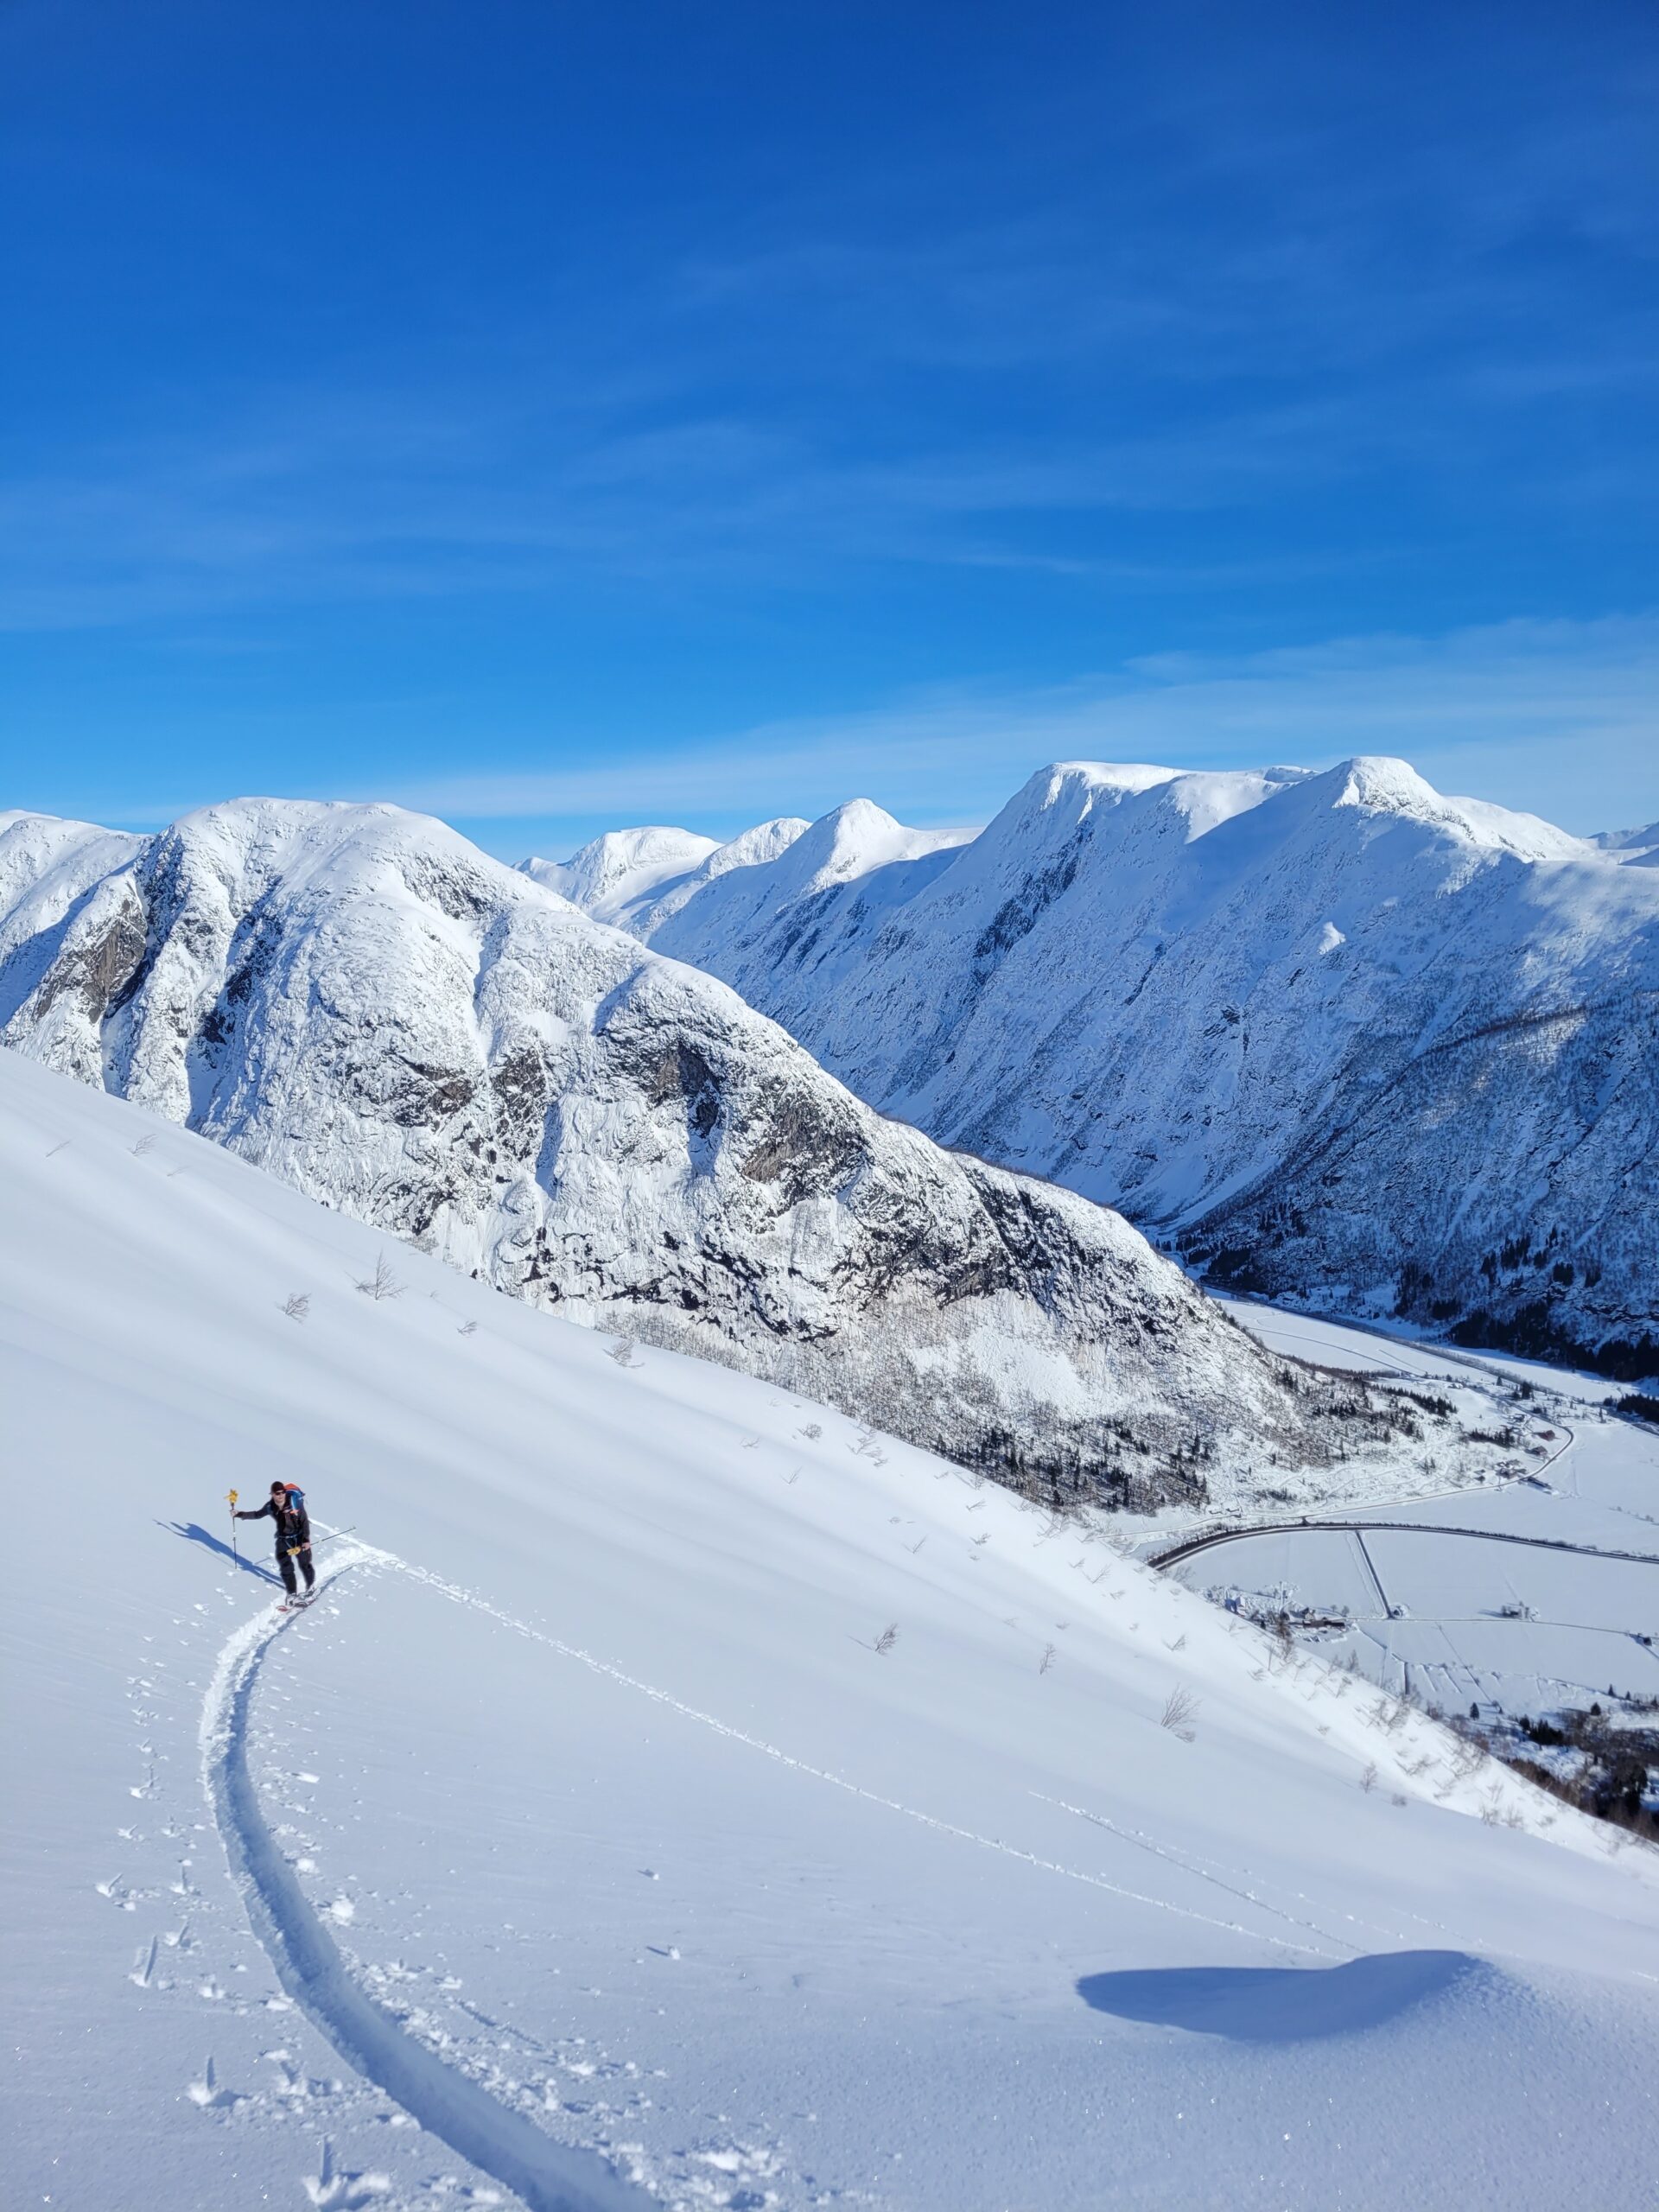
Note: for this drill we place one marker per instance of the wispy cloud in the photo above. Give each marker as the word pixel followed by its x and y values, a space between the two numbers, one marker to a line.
pixel 1557 718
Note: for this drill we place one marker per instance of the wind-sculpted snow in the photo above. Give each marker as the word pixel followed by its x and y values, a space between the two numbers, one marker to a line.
pixel 357 1000
pixel 1352 1042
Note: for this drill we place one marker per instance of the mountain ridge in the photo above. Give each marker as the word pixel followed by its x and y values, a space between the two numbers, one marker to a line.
pixel 1192 995
pixel 359 1001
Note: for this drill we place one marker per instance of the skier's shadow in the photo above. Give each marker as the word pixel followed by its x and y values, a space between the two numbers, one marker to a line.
pixel 194 1534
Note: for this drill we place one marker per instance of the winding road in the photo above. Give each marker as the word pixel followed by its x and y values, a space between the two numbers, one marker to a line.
pixel 1172 1554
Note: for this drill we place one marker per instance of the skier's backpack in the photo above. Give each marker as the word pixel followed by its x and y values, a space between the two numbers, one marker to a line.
pixel 293 1498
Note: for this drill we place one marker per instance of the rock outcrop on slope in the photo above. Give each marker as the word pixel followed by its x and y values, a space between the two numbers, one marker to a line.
pixel 358 1001
pixel 1341 1039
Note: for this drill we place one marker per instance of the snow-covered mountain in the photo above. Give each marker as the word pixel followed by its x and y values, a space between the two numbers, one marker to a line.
pixel 677 1797
pixel 620 868
pixel 359 1001
pixel 1351 1043
pixel 1640 846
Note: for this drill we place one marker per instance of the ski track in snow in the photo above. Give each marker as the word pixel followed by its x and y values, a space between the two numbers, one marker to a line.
pixel 459 1596
pixel 548 2177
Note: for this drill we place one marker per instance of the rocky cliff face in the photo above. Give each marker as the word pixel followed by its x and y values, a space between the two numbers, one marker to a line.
pixel 1340 1039
pixel 358 1001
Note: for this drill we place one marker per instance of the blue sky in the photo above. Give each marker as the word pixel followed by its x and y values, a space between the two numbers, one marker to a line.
pixel 561 415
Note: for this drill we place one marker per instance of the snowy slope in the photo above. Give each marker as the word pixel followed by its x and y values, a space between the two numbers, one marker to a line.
pixel 1639 847
pixel 607 876
pixel 1358 1044
pixel 358 1001
pixel 634 878
pixel 582 1848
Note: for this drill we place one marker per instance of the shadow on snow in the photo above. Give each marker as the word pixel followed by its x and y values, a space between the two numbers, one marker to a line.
pixel 1280 2003
pixel 195 1534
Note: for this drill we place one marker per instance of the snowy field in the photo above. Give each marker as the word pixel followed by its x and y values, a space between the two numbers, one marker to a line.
pixel 1455 1620
pixel 679 1795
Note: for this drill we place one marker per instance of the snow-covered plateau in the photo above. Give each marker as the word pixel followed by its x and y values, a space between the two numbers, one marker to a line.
pixel 359 1001
pixel 679 1795
pixel 1348 1043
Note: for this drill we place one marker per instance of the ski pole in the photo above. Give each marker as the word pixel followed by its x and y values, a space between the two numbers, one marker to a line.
pixel 333 1533
pixel 235 1554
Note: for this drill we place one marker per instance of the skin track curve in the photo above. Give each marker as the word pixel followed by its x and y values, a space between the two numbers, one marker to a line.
pixel 548 2177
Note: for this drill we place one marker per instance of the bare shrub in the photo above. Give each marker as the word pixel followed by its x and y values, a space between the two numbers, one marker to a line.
pixel 623 1353
pixel 1180 1710
pixel 1368 1780
pixel 145 1144
pixel 467 1329
pixel 297 1306
pixel 381 1284
pixel 885 1642
pixel 1049 1657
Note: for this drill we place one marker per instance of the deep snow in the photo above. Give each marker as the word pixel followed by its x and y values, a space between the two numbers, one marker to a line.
pixel 585 1800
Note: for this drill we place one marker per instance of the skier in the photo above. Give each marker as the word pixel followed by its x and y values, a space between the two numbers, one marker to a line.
pixel 286 1507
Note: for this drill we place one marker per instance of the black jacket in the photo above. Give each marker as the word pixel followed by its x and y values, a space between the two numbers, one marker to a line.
pixel 293 1523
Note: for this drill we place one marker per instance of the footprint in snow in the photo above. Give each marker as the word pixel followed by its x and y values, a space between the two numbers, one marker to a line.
pixel 334 2192
pixel 207 2093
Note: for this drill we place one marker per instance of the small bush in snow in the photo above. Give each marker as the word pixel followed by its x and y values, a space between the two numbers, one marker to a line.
pixel 298 1306
pixel 623 1353
pixel 888 1638
pixel 382 1283
pixel 1180 1710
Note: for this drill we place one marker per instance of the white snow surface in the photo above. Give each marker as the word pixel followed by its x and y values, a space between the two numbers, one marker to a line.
pixel 605 877
pixel 1359 1044
pixel 358 1001
pixel 644 883
pixel 583 1847
pixel 1638 846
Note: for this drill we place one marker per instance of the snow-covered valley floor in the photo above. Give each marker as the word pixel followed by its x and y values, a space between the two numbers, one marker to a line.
pixel 590 1841
pixel 1509 1623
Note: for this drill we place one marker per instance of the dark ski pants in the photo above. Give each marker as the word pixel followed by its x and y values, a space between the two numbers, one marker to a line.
pixel 285 1561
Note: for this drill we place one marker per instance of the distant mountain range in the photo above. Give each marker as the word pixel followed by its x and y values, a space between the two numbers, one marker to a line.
pixel 1336 1039
pixel 359 1001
